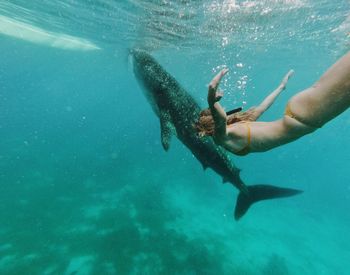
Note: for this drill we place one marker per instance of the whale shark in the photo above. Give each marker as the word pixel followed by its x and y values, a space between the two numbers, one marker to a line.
pixel 178 111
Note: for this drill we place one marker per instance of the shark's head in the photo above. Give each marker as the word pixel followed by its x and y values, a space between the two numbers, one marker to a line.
pixel 149 74
pixel 142 63
pixel 140 56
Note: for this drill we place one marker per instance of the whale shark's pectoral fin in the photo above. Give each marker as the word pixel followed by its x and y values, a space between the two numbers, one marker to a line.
pixel 166 128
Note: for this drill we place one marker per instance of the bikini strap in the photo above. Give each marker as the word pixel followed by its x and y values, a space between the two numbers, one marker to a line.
pixel 288 111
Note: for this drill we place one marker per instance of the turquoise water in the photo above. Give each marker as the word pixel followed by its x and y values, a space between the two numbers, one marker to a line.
pixel 85 186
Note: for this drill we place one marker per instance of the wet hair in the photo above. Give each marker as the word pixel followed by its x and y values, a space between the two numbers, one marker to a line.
pixel 205 124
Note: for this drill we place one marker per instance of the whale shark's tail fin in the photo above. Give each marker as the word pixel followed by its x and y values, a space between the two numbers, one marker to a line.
pixel 258 193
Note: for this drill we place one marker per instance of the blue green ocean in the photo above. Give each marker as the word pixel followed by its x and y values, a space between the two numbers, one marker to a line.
pixel 85 185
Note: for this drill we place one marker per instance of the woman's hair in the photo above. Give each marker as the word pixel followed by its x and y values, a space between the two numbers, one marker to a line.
pixel 205 125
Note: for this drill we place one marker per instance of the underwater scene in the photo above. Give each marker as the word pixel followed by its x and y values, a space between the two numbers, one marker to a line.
pixel 92 183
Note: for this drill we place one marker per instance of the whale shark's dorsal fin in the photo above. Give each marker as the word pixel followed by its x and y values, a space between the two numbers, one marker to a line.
pixel 166 128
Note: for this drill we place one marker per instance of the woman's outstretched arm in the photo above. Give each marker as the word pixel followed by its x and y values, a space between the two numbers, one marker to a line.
pixel 267 102
pixel 218 113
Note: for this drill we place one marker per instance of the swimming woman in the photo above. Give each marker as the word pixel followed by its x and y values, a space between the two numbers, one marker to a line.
pixel 307 111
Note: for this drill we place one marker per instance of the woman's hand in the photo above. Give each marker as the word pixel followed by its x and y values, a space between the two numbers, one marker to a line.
pixel 286 78
pixel 213 94
pixel 218 113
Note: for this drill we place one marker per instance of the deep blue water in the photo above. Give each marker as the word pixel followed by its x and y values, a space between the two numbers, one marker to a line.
pixel 85 186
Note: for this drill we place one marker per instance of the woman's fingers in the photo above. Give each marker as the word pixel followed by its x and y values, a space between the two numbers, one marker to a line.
pixel 290 73
pixel 286 77
pixel 216 80
pixel 224 71
pixel 213 94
